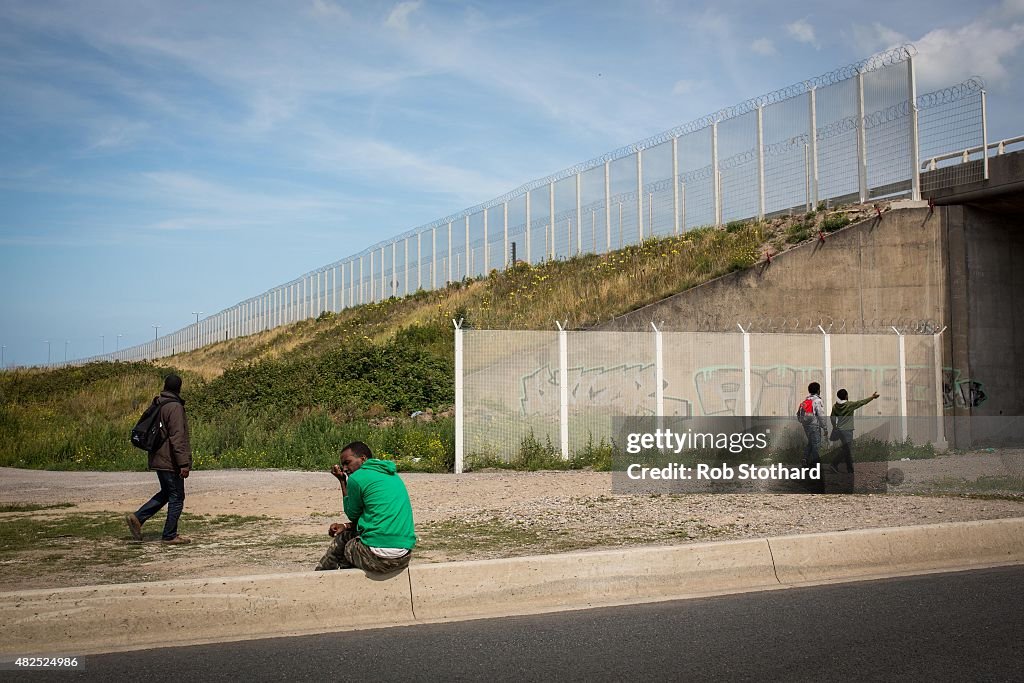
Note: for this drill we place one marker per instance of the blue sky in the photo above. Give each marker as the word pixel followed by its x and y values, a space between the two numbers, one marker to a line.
pixel 159 158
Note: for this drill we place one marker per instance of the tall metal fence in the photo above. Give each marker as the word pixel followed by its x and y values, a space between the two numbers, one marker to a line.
pixel 509 385
pixel 851 135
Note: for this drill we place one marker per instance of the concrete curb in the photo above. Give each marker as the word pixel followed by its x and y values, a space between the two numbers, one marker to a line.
pixel 76 621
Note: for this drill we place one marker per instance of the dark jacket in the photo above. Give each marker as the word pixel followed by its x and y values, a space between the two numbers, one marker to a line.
pixel 175 452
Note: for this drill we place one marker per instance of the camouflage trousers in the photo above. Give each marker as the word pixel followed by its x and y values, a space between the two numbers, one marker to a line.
pixel 347 551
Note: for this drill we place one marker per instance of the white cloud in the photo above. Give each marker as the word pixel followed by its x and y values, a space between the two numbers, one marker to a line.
pixel 399 17
pixel 876 37
pixel 328 9
pixel 764 47
pixel 950 55
pixel 684 86
pixel 803 32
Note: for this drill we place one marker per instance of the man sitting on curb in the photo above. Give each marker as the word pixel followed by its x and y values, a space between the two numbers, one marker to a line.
pixel 379 536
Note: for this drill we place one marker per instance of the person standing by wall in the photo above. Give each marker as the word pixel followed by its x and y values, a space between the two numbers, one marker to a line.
pixel 811 415
pixel 842 423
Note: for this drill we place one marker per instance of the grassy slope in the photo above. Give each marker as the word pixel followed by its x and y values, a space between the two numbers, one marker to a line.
pixel 290 396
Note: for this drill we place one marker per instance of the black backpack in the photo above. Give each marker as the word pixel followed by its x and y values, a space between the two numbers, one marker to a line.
pixel 148 433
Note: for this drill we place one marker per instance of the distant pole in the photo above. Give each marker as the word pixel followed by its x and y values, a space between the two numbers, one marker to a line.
pixel 66 342
pixel 103 345
pixel 156 331
pixel 3 356
pixel 47 342
pixel 118 342
pixel 197 314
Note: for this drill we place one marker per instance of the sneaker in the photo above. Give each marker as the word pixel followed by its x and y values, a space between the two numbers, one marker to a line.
pixel 177 540
pixel 134 526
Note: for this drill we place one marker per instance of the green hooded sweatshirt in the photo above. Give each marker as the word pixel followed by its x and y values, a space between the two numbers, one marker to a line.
pixel 842 413
pixel 378 504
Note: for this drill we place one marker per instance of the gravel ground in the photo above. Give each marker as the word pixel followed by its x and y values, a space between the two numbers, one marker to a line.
pixel 474 516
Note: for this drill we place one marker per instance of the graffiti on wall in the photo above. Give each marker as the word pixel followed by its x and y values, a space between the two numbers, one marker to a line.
pixel 627 389
pixel 961 392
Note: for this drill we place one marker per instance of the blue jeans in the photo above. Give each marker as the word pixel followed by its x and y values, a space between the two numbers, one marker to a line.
pixel 171 494
pixel 813 434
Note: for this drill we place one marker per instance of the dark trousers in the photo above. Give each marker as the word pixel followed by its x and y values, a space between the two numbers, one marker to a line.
pixel 845 453
pixel 171 494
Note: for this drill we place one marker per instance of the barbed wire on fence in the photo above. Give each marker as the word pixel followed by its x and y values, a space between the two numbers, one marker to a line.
pixel 817 325
pixel 292 300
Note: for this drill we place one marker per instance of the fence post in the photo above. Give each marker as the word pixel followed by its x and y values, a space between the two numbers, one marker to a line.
pixel 528 257
pixel 405 266
pixel 579 215
pixel 459 422
pixel 716 187
pixel 607 207
pixel 827 351
pixel 659 374
pixel 807 179
pixel 640 195
pixel 433 257
pixel 419 261
pixel 915 160
pixel 748 404
pixel 682 206
pixel 813 133
pixel 862 145
pixel 940 414
pixel 760 162
pixel 551 218
pixel 904 433
pixel 984 134
pixel 563 388
pixel 486 260
pixel 504 232
pixel 469 250
pixel 449 253
pixel 675 185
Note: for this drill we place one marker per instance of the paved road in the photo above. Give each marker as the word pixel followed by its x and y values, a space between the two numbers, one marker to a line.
pixel 938 627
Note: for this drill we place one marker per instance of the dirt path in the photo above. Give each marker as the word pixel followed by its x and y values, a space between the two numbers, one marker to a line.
pixel 264 521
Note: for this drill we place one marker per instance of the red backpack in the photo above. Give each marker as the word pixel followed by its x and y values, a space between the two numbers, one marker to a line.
pixel 805 413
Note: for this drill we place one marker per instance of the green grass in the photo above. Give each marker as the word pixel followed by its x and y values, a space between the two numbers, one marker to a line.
pixel 292 396
pixel 19 534
pixel 534 455
pixel 497 536
pixel 32 507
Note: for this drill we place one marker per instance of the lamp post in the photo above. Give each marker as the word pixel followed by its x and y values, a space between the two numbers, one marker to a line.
pixel 66 342
pixel 197 314
pixel 3 354
pixel 103 344
pixel 47 342
pixel 119 342
pixel 156 331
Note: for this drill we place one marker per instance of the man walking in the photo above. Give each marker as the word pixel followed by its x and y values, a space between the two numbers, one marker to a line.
pixel 379 536
pixel 842 422
pixel 172 461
